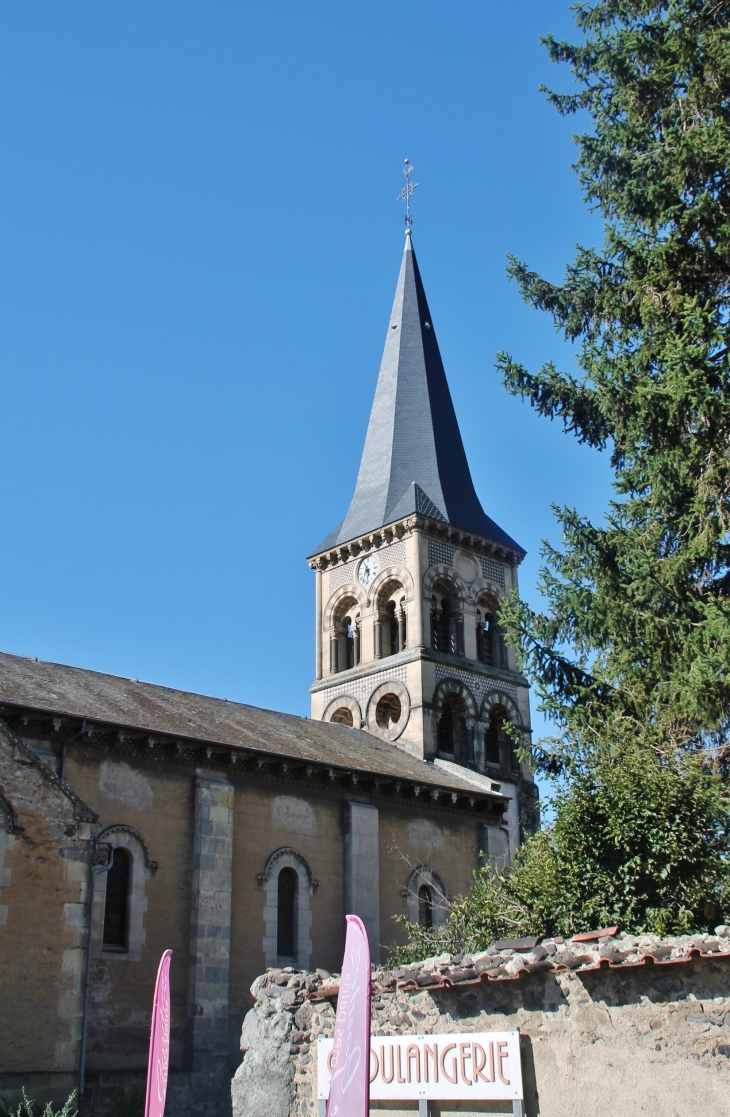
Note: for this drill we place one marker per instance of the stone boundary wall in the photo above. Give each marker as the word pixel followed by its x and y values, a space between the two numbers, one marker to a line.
pixel 610 1026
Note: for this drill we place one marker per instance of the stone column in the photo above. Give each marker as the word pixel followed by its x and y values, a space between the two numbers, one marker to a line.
pixel 459 634
pixel 470 740
pixel 362 870
pixel 401 629
pixel 334 666
pixel 318 624
pixel 356 643
pixel 378 639
pixel 210 945
pixel 478 737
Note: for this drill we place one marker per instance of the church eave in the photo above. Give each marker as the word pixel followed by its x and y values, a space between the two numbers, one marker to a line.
pixel 133 743
pixel 44 700
pixel 398 529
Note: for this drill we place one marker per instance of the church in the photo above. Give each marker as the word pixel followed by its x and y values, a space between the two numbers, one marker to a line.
pixel 136 818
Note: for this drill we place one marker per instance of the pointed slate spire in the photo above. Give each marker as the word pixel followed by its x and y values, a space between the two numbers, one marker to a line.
pixel 414 459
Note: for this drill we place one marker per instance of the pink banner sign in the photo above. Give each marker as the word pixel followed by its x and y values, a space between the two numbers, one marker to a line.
pixel 350 1085
pixel 159 1061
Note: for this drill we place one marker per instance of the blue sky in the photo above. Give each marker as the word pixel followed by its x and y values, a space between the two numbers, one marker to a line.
pixel 201 242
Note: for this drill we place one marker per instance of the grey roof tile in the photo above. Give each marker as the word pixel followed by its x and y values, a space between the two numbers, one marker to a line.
pixel 413 448
pixel 75 692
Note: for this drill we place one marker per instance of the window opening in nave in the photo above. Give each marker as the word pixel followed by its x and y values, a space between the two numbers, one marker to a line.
pixel 425 907
pixel 116 907
pixel 287 912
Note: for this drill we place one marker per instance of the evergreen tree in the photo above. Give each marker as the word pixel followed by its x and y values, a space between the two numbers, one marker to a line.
pixel 635 637
pixel 631 655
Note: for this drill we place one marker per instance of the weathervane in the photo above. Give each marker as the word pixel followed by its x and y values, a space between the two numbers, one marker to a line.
pixel 407 193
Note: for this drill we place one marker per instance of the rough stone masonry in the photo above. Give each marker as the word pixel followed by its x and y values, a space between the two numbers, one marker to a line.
pixel 611 1024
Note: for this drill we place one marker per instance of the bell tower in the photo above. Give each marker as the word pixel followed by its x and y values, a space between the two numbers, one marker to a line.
pixel 408 644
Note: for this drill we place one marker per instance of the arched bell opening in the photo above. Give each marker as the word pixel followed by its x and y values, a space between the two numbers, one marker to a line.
pixel 391 622
pixel 345 636
pixel 499 749
pixel 447 620
pixel 491 646
pixel 452 728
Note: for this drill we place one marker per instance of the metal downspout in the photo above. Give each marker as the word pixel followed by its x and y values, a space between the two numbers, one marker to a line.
pixel 85 1018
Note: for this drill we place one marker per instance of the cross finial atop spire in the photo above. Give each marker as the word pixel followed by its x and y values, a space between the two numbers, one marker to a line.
pixel 407 193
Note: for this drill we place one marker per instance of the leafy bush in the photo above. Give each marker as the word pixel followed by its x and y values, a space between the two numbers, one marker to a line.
pixel 638 840
pixel 28 1107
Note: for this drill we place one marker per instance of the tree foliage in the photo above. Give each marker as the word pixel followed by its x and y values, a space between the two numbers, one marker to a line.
pixel 637 615
pixel 28 1107
pixel 630 656
pixel 638 840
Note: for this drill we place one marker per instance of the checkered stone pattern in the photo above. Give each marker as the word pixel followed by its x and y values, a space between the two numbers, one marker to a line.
pixel 394 555
pixel 492 570
pixel 479 685
pixel 341 575
pixel 439 554
pixel 361 689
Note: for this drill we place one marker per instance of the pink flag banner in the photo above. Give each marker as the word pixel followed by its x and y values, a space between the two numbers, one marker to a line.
pixel 350 1088
pixel 159 1060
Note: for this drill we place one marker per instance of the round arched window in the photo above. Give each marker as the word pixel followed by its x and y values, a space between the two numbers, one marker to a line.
pixel 388 711
pixel 343 716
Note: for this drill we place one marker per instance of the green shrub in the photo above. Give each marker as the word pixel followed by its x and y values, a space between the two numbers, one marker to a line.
pixel 638 840
pixel 28 1107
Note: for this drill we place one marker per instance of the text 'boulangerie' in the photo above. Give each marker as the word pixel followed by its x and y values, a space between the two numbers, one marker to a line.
pixel 477 1065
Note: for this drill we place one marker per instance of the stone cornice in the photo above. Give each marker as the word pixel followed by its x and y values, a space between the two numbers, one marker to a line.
pixel 114 739
pixel 399 529
pixel 411 655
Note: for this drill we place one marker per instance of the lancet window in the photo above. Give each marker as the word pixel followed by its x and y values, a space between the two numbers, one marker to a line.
pixel 287 912
pixel 116 907
pixel 425 907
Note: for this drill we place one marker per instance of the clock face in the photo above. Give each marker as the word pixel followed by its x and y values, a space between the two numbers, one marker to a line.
pixel 368 570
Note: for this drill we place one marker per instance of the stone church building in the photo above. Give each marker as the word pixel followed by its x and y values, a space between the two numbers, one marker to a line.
pixel 135 817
